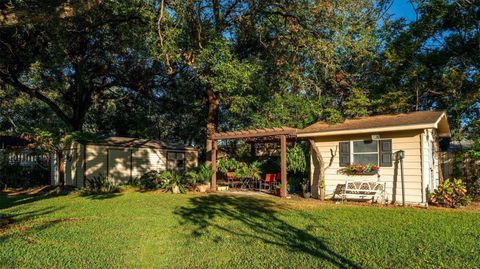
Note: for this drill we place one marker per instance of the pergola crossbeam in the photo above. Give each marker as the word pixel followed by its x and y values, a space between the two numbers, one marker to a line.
pixel 266 132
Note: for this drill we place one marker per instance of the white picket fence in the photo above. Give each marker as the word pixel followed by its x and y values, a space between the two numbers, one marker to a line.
pixel 28 158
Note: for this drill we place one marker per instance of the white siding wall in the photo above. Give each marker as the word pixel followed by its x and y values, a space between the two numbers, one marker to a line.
pixel 123 163
pixel 408 141
pixel 145 160
pixel 96 161
pixel 119 163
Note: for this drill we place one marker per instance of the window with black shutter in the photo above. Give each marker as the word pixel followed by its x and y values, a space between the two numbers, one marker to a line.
pixel 378 152
pixel 385 158
pixel 344 153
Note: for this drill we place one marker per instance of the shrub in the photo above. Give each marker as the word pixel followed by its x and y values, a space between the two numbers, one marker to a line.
pixel 450 193
pixel 296 160
pixel 101 184
pixel 227 165
pixel 153 179
pixel 252 171
pixel 473 187
pixel 161 180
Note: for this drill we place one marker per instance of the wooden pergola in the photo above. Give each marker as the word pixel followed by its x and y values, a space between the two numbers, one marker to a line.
pixel 256 135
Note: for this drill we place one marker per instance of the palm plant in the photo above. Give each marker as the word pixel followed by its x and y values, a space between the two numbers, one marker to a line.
pixel 174 184
pixel 252 171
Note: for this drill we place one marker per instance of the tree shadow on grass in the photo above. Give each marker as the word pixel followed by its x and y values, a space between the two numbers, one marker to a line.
pixel 101 196
pixel 21 224
pixel 8 200
pixel 261 217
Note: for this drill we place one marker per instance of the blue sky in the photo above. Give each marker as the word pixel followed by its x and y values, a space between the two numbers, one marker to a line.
pixel 402 8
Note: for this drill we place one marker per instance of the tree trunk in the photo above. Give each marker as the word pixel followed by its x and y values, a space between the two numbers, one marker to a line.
pixel 318 184
pixel 212 120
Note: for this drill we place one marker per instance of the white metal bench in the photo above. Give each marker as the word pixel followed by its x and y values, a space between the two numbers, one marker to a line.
pixel 364 190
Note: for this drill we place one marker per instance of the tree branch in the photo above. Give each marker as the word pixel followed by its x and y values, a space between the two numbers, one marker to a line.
pixel 36 94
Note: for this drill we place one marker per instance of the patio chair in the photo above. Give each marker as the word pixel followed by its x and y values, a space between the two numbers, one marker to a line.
pixel 269 182
pixel 232 180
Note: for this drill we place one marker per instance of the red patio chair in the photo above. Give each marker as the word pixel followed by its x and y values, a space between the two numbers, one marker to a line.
pixel 269 182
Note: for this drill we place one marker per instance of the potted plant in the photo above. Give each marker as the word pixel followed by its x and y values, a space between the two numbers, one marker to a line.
pixel 279 190
pixel 305 189
pixel 322 190
pixel 205 173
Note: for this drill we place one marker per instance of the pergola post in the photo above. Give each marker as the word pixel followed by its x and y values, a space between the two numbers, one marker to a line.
pixel 213 182
pixel 283 156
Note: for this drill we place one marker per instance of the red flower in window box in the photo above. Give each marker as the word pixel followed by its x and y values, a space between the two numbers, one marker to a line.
pixel 361 169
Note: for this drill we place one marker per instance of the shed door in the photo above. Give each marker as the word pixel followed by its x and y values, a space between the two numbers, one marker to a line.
pixel 119 163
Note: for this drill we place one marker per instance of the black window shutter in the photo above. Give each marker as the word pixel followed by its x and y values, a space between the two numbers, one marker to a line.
pixel 385 152
pixel 344 153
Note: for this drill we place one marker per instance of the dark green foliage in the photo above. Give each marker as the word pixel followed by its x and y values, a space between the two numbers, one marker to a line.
pixel 227 165
pixel 473 187
pixel 430 63
pixel 101 184
pixel 14 175
pixel 473 152
pixel 118 68
pixel 271 165
pixel 465 160
pixel 251 171
pixel 152 180
pixel 76 61
pixel 166 180
pixel 296 159
pixel 297 166
pixel 450 193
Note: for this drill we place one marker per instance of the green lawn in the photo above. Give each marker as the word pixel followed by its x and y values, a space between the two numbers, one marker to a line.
pixel 160 230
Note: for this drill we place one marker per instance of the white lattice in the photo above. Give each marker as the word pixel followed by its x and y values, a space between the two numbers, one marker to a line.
pixel 364 189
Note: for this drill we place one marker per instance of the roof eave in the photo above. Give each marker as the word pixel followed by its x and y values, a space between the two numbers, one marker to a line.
pixel 367 130
pixel 442 126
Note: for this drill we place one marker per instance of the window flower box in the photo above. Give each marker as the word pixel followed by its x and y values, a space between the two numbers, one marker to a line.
pixel 361 169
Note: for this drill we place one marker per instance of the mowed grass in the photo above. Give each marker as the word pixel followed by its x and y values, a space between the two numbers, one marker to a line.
pixel 158 230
